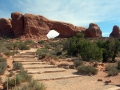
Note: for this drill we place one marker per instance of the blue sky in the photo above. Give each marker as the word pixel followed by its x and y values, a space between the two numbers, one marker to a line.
pixel 105 13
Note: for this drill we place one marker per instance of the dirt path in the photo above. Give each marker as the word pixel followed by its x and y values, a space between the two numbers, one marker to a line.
pixel 58 78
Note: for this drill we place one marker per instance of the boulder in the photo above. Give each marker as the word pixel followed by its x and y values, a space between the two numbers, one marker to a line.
pixel 5 28
pixel 115 32
pixel 17 23
pixel 93 31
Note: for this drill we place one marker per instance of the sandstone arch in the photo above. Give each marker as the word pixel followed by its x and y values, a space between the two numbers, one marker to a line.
pixel 37 26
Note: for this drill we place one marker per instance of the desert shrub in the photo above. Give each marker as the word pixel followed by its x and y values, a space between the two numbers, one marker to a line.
pixel 42 53
pixel 23 46
pixel 118 65
pixel 87 70
pixel 17 66
pixel 28 42
pixel 3 67
pixel 78 63
pixel 2 59
pixel 112 70
pixel 11 74
pixel 8 53
pixel 24 76
pixel 34 85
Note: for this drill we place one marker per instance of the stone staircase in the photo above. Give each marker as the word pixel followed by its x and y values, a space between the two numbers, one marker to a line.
pixel 41 70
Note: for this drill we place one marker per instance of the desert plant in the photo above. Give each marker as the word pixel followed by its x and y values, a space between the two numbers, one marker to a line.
pixel 112 70
pixel 17 66
pixel 87 70
pixel 2 59
pixel 28 42
pixel 3 67
pixel 34 85
pixel 11 74
pixel 118 65
pixel 24 76
pixel 78 63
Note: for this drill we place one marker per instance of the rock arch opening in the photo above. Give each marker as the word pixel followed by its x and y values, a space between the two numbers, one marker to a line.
pixel 52 34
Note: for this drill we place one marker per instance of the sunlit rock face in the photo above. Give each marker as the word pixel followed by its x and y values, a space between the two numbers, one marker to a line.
pixel 38 26
pixel 17 23
pixel 115 32
pixel 93 31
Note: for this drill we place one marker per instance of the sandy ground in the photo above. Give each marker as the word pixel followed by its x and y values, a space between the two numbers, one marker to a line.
pixel 79 83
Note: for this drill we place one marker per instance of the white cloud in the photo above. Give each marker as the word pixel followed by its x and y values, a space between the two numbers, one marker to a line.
pixel 78 12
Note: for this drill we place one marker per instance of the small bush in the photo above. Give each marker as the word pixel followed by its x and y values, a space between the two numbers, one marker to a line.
pixel 118 65
pixel 78 63
pixel 87 70
pixel 2 59
pixel 23 76
pixel 11 74
pixel 18 79
pixel 34 85
pixel 112 70
pixel 28 42
pixel 42 53
pixel 22 46
pixel 3 67
pixel 17 66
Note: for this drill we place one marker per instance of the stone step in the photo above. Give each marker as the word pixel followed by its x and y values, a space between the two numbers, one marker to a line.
pixel 26 60
pixel 34 62
pixel 27 53
pixel 55 76
pixel 45 70
pixel 24 56
pixel 38 66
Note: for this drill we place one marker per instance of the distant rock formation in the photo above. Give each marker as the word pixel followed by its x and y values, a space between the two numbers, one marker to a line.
pixel 115 32
pixel 5 27
pixel 93 31
pixel 29 26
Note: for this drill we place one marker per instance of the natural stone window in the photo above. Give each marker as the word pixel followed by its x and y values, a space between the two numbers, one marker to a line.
pixel 52 34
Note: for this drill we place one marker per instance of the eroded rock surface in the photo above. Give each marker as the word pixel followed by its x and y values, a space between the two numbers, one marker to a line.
pixel 5 27
pixel 40 26
pixel 17 23
pixel 37 26
pixel 115 32
pixel 93 31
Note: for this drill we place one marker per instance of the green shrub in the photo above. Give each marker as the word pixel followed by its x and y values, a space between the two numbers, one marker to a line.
pixel 24 76
pixel 2 59
pixel 42 53
pixel 28 42
pixel 112 70
pixel 17 66
pixel 87 70
pixel 3 67
pixel 23 46
pixel 78 63
pixel 34 85
pixel 8 53
pixel 18 79
pixel 11 74
pixel 118 65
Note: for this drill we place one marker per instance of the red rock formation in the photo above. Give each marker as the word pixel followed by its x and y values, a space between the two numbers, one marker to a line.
pixel 17 23
pixel 93 31
pixel 5 27
pixel 115 32
pixel 40 26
